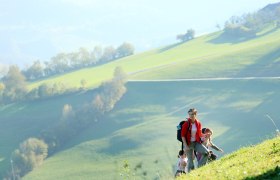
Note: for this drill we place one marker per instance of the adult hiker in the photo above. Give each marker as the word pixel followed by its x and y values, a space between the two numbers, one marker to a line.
pixel 191 134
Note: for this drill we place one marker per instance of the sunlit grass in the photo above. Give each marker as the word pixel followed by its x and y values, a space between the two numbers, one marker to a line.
pixel 142 128
pixel 256 162
pixel 201 57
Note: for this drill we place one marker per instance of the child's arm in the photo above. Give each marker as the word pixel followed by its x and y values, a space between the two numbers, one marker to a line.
pixel 215 147
pixel 178 163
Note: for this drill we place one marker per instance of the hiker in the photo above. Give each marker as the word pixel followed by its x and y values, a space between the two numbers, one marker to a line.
pixel 207 142
pixel 182 164
pixel 191 134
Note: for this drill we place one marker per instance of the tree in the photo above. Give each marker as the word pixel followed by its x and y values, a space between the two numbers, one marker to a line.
pixel 44 90
pixel 108 54
pixel 14 79
pixel 111 91
pixel 84 57
pixel 15 84
pixel 67 112
pixel 126 49
pixel 97 53
pixel 254 22
pixel 31 154
pixel 189 35
pixel 74 60
pixel 120 75
pixel 98 104
pixel 238 30
pixel 35 71
pixel 59 63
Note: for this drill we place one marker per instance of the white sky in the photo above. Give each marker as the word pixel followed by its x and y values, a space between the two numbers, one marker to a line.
pixel 39 29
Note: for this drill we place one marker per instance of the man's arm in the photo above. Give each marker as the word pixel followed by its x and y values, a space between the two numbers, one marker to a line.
pixel 186 147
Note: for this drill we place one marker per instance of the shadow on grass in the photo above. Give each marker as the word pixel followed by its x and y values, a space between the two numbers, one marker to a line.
pixel 164 93
pixel 118 145
pixel 224 38
pixel 170 47
pixel 266 65
pixel 271 174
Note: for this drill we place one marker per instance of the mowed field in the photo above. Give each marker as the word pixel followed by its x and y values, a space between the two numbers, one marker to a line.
pixel 142 128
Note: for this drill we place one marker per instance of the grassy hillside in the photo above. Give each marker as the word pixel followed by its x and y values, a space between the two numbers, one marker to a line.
pixel 20 121
pixel 142 128
pixel 217 56
pixel 211 55
pixel 256 162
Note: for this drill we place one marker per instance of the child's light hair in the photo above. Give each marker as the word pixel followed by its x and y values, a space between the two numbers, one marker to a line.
pixel 207 130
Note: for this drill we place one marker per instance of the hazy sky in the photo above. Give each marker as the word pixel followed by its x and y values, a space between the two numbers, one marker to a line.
pixel 39 29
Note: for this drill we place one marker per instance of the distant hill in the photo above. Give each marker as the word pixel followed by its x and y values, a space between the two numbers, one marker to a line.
pixel 271 7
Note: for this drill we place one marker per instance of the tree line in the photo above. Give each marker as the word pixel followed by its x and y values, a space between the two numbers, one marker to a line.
pixel 32 152
pixel 248 25
pixel 65 62
pixel 13 87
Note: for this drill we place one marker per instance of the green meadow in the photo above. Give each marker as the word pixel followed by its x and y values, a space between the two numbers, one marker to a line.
pixel 141 129
pixel 211 55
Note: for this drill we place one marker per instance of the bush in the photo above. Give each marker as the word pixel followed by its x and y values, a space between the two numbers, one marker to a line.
pixel 31 154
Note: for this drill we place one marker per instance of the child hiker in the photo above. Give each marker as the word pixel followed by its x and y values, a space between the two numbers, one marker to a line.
pixel 181 164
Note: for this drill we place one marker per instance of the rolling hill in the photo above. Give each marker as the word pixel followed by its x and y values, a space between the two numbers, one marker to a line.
pixel 141 129
pixel 212 55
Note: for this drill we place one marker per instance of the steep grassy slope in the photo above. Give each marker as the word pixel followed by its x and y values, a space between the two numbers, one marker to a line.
pixel 208 56
pixel 142 128
pixel 255 162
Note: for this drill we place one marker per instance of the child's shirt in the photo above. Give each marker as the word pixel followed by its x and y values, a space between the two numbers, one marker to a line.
pixel 182 164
